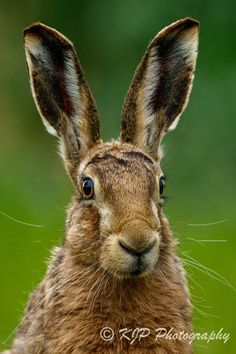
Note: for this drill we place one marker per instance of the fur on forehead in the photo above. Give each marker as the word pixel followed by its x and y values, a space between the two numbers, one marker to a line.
pixel 118 150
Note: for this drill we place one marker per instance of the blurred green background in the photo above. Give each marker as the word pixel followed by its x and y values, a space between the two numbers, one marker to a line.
pixel 111 37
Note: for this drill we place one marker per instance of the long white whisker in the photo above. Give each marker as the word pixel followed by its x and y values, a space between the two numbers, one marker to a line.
pixel 209 272
pixel 43 299
pixel 102 281
pixel 206 224
pixel 19 221
pixel 76 303
pixel 202 241
pixel 195 282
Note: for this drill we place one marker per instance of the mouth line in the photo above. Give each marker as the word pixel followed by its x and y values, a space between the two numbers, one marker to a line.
pixel 132 274
pixel 135 272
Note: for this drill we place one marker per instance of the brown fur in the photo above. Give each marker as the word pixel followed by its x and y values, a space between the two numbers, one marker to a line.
pixel 118 266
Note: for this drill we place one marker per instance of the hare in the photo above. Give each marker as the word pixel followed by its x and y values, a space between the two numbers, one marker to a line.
pixel 116 284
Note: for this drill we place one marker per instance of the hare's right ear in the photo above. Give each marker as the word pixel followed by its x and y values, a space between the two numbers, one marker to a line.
pixel 61 93
pixel 161 85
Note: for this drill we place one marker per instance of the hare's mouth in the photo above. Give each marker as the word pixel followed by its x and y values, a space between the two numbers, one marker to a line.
pixel 137 270
pixel 139 267
pixel 134 272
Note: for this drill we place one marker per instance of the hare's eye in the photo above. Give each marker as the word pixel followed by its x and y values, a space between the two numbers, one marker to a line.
pixel 161 185
pixel 88 188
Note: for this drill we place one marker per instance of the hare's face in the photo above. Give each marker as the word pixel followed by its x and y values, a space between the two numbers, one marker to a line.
pixel 120 185
pixel 115 218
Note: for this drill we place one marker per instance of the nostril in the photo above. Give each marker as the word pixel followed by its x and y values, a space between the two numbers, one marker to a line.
pixel 134 252
pixel 127 248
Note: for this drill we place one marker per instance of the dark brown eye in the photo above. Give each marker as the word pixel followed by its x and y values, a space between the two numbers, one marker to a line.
pixel 161 185
pixel 88 188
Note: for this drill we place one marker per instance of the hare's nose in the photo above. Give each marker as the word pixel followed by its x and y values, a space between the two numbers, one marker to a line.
pixel 134 252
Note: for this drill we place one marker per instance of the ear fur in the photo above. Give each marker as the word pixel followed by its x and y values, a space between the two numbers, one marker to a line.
pixel 161 85
pixel 61 93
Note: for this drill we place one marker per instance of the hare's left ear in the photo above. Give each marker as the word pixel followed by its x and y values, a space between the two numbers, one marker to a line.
pixel 161 86
pixel 61 93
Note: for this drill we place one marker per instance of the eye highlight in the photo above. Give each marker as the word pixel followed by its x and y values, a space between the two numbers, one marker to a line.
pixel 88 188
pixel 161 185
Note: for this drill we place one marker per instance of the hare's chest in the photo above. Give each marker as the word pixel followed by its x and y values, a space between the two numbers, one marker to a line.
pixel 88 319
pixel 97 326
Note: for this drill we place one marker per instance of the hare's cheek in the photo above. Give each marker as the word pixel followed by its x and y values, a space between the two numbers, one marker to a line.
pixel 83 237
pixel 112 257
pixel 106 218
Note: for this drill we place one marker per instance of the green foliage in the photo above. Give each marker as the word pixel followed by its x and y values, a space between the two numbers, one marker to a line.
pixel 200 155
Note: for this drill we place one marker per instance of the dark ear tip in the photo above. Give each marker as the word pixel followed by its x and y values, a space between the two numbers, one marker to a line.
pixel 35 28
pixel 190 22
pixel 180 27
pixel 185 24
pixel 40 30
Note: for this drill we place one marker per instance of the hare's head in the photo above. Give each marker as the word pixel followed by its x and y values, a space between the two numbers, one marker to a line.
pixel 115 218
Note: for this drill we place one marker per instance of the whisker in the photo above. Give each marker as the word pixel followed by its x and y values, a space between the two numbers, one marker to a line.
pixel 76 301
pixel 42 301
pixel 213 274
pixel 94 286
pixel 100 286
pixel 202 241
pixel 19 221
pixel 195 282
pixel 206 224
pixel 204 313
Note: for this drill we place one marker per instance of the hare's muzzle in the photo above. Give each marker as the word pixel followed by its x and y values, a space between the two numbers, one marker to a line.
pixel 139 257
pixel 132 252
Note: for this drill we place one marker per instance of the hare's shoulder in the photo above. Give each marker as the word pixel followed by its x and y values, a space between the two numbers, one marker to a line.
pixel 30 334
pixel 30 330
pixel 36 303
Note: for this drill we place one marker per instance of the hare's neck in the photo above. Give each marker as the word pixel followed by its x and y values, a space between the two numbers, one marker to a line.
pixel 84 299
pixel 160 297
